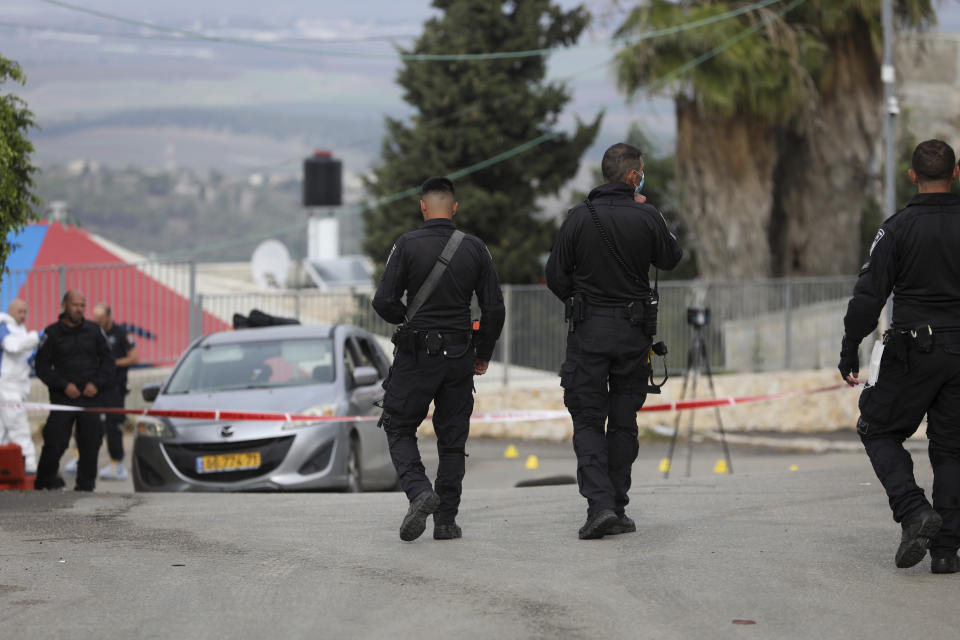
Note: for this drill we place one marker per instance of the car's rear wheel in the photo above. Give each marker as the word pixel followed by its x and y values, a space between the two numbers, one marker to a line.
pixel 354 471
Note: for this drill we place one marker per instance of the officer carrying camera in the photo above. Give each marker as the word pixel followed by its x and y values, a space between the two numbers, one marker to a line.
pixel 599 267
pixel 436 353
pixel 917 372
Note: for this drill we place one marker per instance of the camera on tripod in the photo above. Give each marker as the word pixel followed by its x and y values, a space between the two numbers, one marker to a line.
pixel 698 317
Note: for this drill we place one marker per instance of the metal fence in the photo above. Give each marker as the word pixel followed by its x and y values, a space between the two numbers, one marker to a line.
pixel 755 325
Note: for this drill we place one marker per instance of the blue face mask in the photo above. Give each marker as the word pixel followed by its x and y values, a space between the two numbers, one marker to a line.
pixel 639 188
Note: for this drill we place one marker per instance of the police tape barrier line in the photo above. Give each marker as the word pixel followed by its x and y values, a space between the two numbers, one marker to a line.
pixel 191 414
pixel 486 416
pixel 730 401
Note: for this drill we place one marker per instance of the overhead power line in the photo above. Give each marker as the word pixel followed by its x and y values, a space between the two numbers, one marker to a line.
pixel 160 37
pixel 416 57
pixel 506 155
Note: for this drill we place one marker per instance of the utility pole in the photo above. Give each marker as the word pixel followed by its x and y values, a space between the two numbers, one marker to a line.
pixel 891 109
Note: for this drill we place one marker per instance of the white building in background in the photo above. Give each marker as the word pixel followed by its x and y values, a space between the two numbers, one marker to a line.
pixel 928 83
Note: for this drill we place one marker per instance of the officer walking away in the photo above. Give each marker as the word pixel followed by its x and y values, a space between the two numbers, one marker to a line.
pixel 436 355
pixel 74 361
pixel 17 344
pixel 125 355
pixel 914 256
pixel 599 267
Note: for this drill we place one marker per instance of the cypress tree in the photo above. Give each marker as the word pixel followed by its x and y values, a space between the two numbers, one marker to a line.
pixel 468 111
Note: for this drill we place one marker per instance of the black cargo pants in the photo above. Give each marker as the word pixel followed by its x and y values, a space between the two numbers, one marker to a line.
pixel 892 410
pixel 113 422
pixel 447 381
pixel 56 439
pixel 604 379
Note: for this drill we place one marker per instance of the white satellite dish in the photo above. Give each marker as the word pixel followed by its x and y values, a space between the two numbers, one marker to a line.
pixel 270 265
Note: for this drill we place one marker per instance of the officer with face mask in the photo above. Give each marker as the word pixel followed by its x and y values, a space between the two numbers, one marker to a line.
pixel 599 267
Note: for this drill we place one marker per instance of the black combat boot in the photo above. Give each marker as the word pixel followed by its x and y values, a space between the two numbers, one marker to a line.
pixel 54 484
pixel 916 537
pixel 947 564
pixel 625 524
pixel 415 521
pixel 447 531
pixel 598 525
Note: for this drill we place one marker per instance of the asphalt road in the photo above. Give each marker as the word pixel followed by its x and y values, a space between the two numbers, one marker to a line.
pixel 487 468
pixel 800 554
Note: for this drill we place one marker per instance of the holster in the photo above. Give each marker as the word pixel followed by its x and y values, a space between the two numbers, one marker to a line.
pixel 405 340
pixel 902 341
pixel 575 310
pixel 433 341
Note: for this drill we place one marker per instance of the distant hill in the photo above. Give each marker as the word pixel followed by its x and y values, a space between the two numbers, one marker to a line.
pixel 165 213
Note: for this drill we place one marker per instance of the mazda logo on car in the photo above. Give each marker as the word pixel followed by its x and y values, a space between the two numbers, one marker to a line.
pixel 226 431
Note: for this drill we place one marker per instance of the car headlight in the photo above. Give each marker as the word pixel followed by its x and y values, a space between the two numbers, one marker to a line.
pixel 153 428
pixel 324 410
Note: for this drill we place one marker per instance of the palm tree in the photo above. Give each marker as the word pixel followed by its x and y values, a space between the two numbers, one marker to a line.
pixel 777 131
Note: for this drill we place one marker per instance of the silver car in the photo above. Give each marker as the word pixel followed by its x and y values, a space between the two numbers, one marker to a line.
pixel 315 370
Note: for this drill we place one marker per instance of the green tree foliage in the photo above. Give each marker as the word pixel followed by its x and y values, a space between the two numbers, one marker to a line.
pixel 468 111
pixel 17 199
pixel 775 75
pixel 771 125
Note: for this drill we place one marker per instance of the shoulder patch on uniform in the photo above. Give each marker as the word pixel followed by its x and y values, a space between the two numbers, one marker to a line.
pixel 876 241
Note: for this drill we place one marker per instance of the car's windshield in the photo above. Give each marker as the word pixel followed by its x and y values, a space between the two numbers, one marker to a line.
pixel 254 365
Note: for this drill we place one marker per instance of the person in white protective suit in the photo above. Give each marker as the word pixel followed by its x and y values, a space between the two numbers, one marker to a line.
pixel 18 345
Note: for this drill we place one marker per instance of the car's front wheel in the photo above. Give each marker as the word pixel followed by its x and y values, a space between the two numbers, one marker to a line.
pixel 354 471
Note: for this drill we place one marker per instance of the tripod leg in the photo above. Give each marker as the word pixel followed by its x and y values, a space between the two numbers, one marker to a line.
pixel 693 413
pixel 713 391
pixel 676 421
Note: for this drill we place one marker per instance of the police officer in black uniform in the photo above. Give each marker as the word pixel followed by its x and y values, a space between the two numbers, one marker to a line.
pixel 73 360
pixel 599 267
pixel 436 355
pixel 125 355
pixel 915 256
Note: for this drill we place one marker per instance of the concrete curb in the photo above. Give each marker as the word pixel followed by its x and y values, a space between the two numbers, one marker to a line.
pixel 801 444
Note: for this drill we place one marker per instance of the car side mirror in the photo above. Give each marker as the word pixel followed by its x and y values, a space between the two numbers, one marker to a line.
pixel 151 390
pixel 365 376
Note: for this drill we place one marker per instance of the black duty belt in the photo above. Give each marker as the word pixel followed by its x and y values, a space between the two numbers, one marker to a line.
pixel 926 335
pixel 433 341
pixel 449 338
pixel 609 312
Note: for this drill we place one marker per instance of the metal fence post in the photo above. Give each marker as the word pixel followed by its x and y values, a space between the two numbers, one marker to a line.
pixel 63 282
pixel 194 330
pixel 508 305
pixel 786 322
pixel 199 317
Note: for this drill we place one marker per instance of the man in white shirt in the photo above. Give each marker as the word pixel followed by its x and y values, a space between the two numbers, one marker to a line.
pixel 17 346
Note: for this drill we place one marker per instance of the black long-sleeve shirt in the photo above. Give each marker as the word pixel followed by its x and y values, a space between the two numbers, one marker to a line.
pixel 581 263
pixel 73 354
pixel 448 307
pixel 916 256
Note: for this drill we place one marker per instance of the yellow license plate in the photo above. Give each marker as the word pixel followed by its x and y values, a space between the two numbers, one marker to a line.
pixel 228 462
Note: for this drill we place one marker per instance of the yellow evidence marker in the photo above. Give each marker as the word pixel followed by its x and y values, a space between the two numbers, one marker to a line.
pixel 533 462
pixel 511 452
pixel 721 467
pixel 664 465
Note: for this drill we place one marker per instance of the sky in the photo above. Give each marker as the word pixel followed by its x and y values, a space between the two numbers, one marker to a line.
pixel 83 74
pixel 83 68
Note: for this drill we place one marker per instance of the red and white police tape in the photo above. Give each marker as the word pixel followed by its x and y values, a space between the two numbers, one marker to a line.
pixel 485 416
